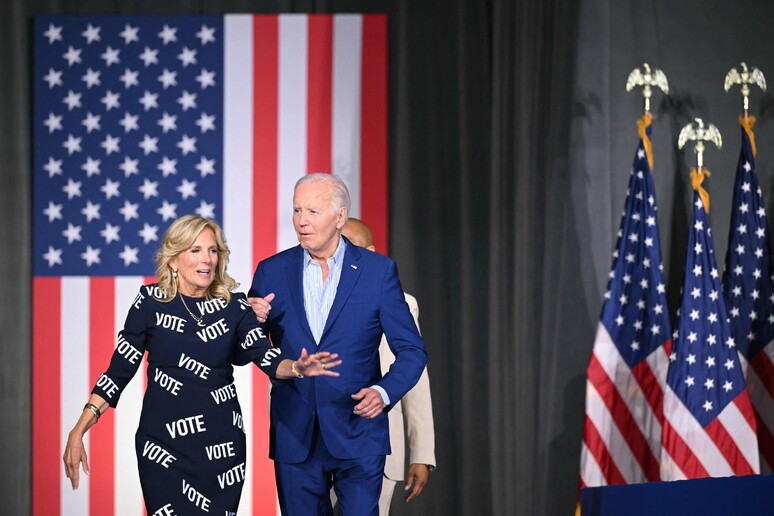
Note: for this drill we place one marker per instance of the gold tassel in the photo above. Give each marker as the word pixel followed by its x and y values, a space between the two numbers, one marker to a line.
pixel 642 124
pixel 696 180
pixel 747 123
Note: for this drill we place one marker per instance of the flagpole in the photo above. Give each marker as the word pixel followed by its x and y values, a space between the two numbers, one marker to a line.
pixel 700 132
pixel 747 281
pixel 629 362
pixel 709 425
pixel 647 78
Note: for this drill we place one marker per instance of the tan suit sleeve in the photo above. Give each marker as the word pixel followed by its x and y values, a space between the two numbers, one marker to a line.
pixel 416 410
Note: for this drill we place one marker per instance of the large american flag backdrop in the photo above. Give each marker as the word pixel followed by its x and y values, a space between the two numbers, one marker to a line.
pixel 138 120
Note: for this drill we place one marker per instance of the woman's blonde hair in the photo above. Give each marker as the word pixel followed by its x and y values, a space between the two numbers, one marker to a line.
pixel 180 236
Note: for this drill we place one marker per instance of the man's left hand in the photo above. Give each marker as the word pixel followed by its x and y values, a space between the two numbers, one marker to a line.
pixel 418 474
pixel 371 403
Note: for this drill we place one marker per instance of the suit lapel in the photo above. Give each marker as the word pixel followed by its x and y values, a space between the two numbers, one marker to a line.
pixel 295 275
pixel 350 272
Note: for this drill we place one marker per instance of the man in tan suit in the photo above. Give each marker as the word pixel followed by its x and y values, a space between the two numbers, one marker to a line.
pixel 415 408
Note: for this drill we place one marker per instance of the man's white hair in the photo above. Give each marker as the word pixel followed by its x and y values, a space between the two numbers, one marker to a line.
pixel 339 191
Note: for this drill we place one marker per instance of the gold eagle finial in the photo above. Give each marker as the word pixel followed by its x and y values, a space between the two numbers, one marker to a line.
pixel 745 78
pixel 700 132
pixel 648 78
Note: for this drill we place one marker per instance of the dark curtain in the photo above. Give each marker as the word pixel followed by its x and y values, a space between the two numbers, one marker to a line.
pixel 511 139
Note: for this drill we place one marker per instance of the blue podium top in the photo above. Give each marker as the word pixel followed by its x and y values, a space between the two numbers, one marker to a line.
pixel 748 496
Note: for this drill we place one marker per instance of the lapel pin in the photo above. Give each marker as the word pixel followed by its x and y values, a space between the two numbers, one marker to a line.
pixel 353 266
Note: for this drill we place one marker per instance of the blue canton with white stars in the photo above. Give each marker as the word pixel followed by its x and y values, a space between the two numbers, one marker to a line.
pixel 128 136
pixel 635 310
pixel 704 369
pixel 747 284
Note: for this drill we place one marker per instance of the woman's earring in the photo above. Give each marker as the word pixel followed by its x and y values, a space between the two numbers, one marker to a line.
pixel 174 274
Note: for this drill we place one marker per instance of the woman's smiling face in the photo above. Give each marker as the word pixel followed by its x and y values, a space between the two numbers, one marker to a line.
pixel 196 265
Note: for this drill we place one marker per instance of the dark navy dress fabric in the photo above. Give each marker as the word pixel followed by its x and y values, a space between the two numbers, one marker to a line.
pixel 191 439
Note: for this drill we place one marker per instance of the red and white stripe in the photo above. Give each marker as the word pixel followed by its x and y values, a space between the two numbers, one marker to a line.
pixel 622 429
pixel 302 94
pixel 338 65
pixel 759 374
pixel 726 447
pixel 75 323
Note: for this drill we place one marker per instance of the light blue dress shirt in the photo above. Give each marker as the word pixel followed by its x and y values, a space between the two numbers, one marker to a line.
pixel 319 296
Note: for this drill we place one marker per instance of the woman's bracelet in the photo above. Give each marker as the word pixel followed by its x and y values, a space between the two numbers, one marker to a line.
pixel 94 409
pixel 295 371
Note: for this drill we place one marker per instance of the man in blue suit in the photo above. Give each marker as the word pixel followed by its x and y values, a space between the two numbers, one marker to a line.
pixel 329 295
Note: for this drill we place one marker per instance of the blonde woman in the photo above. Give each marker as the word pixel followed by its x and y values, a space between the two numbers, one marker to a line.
pixel 190 442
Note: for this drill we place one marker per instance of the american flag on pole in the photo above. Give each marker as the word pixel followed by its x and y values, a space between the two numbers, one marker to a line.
pixel 139 120
pixel 747 288
pixel 627 370
pixel 709 425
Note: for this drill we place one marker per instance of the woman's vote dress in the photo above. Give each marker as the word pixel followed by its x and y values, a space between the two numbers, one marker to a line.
pixel 191 440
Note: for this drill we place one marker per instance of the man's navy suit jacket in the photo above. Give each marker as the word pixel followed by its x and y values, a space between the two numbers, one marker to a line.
pixel 369 301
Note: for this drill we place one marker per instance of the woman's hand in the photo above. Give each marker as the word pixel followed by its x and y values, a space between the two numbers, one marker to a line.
pixel 415 481
pixel 75 453
pixel 317 364
pixel 74 456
